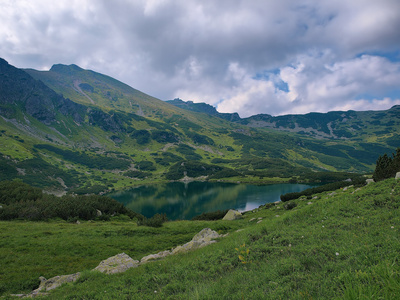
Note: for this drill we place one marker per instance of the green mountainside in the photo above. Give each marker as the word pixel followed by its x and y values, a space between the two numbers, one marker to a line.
pixel 75 130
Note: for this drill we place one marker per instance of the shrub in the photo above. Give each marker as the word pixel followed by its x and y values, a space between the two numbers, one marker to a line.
pixel 142 136
pixel 210 216
pixel 146 165
pixel 290 205
pixel 155 221
pixel 323 188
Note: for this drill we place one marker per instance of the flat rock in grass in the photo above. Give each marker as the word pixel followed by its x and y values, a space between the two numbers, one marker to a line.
pixel 50 284
pixel 232 215
pixel 117 264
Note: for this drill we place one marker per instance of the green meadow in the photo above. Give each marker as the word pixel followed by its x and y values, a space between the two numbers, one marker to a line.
pixel 332 245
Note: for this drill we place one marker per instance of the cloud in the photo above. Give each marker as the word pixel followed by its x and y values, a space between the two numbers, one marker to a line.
pixel 316 82
pixel 274 56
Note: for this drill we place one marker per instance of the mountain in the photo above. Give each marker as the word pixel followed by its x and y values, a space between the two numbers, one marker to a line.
pixel 75 130
pixel 332 125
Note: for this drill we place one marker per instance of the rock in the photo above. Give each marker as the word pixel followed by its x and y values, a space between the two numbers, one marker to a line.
pixel 232 215
pixel 252 219
pixel 98 213
pixel 309 203
pixel 117 264
pixel 397 175
pixel 347 187
pixel 368 181
pixel 54 282
pixel 259 221
pixel 203 238
pixel 157 256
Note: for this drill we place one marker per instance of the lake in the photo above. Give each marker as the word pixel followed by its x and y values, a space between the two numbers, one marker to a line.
pixel 183 201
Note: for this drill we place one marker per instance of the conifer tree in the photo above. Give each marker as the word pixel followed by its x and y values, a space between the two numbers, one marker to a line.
pixel 387 167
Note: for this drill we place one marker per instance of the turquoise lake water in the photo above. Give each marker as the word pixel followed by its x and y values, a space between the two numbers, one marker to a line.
pixel 183 201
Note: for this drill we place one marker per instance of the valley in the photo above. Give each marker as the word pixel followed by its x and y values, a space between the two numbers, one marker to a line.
pixel 70 130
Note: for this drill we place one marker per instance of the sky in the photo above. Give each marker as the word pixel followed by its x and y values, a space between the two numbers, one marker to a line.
pixel 274 57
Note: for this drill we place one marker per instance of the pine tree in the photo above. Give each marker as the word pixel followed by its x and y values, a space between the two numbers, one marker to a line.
pixel 382 169
pixel 387 167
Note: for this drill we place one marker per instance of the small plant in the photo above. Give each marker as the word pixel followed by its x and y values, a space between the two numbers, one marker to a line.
pixel 290 205
pixel 244 254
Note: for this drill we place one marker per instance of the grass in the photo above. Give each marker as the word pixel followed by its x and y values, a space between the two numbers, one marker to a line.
pixel 340 246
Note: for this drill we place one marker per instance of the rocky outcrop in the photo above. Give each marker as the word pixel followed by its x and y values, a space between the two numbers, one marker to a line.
pixel 116 264
pixel 232 215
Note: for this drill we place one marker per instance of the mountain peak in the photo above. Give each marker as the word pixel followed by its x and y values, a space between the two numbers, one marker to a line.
pixel 65 69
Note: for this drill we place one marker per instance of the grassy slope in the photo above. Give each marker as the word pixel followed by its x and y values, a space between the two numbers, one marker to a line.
pixel 343 245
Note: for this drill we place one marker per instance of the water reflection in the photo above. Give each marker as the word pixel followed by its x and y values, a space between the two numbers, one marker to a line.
pixel 186 200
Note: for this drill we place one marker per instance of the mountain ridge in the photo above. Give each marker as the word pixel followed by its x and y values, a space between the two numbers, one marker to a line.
pixel 317 126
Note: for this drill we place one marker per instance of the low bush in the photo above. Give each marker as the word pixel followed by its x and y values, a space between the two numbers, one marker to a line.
pixel 290 205
pixel 155 221
pixel 210 216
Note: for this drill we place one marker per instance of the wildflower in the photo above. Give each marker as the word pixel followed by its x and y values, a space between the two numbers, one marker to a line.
pixel 337 253
pixel 392 227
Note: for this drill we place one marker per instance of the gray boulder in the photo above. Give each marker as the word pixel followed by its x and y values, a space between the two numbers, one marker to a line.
pixel 232 215
pixel 117 264
pixel 397 175
pixel 368 181
pixel 202 239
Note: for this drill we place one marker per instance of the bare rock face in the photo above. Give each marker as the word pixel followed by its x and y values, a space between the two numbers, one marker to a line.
pixel 117 264
pixel 232 215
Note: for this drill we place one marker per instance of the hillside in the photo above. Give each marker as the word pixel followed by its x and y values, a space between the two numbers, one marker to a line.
pixel 335 245
pixel 75 130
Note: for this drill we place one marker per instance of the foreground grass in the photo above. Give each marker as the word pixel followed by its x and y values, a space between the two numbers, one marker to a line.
pixel 32 249
pixel 343 245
